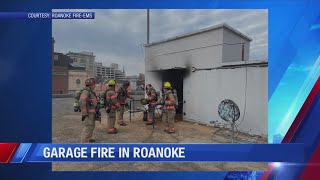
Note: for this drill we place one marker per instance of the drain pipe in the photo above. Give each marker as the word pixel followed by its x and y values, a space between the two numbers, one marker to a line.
pixel 194 69
pixel 262 64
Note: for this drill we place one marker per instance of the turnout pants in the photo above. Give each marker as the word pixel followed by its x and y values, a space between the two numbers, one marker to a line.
pixel 120 112
pixel 168 118
pixel 111 119
pixel 151 108
pixel 88 127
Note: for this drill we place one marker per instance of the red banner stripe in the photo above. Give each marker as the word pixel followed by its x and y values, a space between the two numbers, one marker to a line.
pixel 312 169
pixel 295 124
pixel 7 150
pixel 267 173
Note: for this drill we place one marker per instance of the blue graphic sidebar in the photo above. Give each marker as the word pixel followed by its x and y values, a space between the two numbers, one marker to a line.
pixel 21 153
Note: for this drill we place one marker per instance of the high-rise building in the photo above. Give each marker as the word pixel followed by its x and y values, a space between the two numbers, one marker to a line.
pixel 115 66
pixel 111 72
pixel 104 71
pixel 120 75
pixel 86 59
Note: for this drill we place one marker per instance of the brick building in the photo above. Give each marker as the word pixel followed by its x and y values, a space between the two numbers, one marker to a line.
pixel 86 59
pixel 59 74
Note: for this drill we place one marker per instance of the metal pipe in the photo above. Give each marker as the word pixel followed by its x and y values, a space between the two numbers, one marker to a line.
pixel 153 115
pixel 148 26
pixel 130 110
pixel 242 55
pixel 194 69
pixel 132 107
pixel 232 133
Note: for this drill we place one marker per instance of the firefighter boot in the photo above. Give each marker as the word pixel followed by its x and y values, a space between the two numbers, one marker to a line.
pixel 150 122
pixel 121 122
pixel 171 130
pixel 166 128
pixel 112 131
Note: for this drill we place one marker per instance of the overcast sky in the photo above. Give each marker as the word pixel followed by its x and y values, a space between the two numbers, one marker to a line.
pixel 117 35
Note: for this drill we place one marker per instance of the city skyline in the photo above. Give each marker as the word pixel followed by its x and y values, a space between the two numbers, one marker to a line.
pixel 120 67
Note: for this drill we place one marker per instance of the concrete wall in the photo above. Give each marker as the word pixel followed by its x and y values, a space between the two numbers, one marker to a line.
pixel 178 53
pixel 73 76
pixel 232 50
pixel 204 91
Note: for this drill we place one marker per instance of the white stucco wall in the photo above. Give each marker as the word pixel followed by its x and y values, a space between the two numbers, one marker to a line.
pixel 232 50
pixel 73 75
pixel 204 90
pixel 177 53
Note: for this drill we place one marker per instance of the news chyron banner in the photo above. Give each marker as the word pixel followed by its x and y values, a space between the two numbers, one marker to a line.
pixel 39 152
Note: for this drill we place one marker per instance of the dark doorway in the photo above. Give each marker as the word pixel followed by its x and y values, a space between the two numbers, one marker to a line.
pixel 175 77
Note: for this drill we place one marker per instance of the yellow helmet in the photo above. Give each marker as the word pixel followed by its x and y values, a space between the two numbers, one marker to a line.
pixel 111 82
pixel 166 85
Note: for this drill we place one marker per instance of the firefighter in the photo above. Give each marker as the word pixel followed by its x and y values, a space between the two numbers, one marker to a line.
pixel 152 100
pixel 111 106
pixel 169 110
pixel 122 96
pixel 88 103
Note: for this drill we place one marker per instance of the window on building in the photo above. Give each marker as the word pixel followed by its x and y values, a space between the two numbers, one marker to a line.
pixel 78 82
pixel 55 57
pixel 83 61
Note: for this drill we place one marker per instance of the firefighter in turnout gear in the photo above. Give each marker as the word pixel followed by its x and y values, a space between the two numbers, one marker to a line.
pixel 88 103
pixel 169 110
pixel 122 95
pixel 111 106
pixel 152 100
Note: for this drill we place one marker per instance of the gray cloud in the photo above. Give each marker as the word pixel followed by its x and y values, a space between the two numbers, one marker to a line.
pixel 117 35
